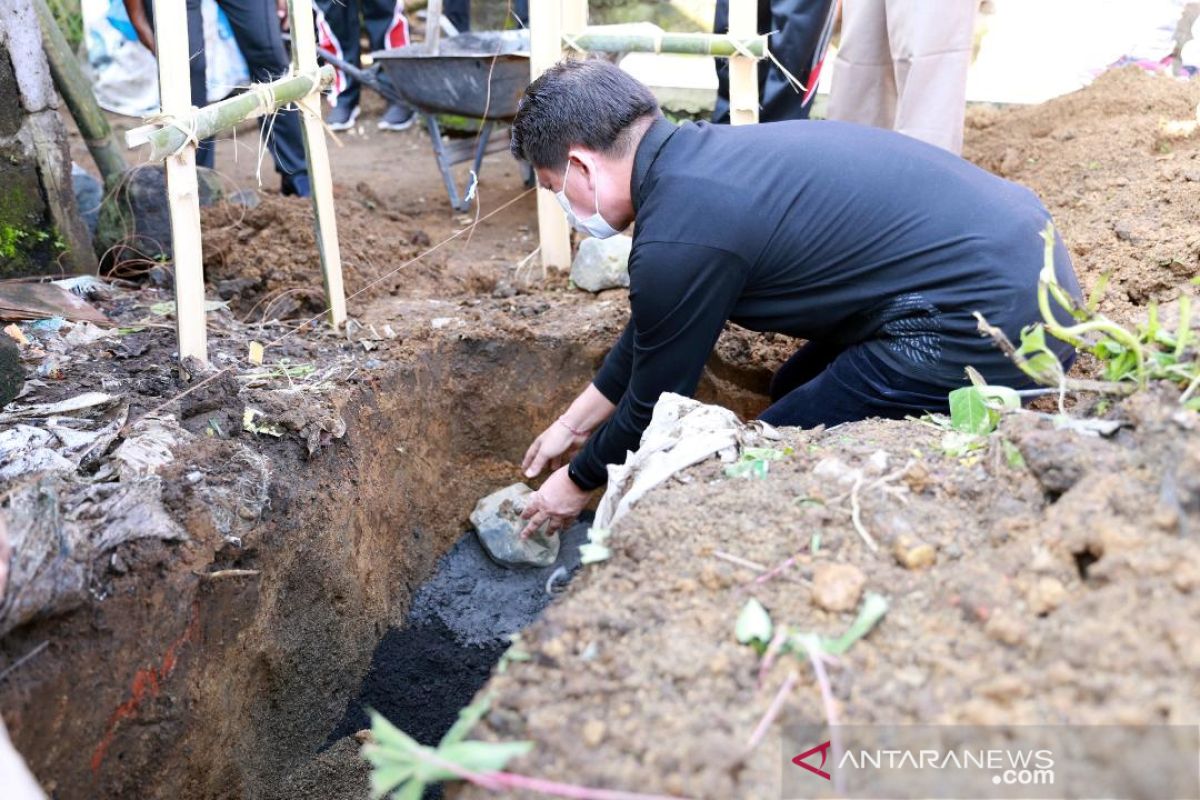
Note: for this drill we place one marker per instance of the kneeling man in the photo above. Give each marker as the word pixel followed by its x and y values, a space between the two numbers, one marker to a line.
pixel 873 247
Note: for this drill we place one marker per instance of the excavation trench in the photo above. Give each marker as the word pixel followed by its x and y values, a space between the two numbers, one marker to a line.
pixel 211 670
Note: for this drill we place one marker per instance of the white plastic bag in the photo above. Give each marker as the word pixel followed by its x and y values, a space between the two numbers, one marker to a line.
pixel 124 73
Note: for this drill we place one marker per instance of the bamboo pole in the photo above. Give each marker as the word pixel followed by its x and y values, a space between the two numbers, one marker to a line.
pixel 743 71
pixel 597 40
pixel 545 50
pixel 76 91
pixel 183 197
pixel 259 99
pixel 304 61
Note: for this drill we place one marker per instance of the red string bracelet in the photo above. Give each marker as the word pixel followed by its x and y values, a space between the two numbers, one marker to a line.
pixel 575 431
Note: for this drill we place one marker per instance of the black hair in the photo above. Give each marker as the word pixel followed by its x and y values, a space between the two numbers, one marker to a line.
pixel 591 103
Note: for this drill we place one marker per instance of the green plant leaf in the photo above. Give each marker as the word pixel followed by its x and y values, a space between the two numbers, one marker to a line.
pixel 1012 454
pixel 468 717
pixel 386 777
pixel 873 607
pixel 388 735
pixel 413 790
pixel 476 756
pixel 1040 362
pixel 1000 398
pixel 969 412
pixel 753 624
pixel 956 444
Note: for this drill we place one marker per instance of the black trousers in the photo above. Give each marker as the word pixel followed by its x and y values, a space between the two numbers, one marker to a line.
pixel 826 384
pixel 386 25
pixel 798 25
pixel 255 25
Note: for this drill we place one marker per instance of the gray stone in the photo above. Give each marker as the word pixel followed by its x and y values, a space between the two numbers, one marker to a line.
pixel 12 374
pixel 89 192
pixel 135 221
pixel 602 263
pixel 498 524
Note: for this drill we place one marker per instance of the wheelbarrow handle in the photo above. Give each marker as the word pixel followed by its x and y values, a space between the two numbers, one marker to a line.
pixel 373 78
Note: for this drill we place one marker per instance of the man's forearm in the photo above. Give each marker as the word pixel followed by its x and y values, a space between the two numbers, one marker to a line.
pixel 589 410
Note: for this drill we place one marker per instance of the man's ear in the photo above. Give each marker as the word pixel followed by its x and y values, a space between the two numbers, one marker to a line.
pixel 585 163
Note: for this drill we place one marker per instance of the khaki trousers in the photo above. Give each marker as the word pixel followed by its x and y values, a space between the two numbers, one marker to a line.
pixel 903 65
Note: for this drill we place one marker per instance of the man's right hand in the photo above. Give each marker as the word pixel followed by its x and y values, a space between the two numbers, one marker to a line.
pixel 554 447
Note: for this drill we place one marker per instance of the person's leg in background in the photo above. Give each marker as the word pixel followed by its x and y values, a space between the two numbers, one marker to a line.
pixel 721 25
pixel 864 84
pixel 256 28
pixel 387 28
pixel 931 46
pixel 799 26
pixel 520 10
pixel 459 14
pixel 338 32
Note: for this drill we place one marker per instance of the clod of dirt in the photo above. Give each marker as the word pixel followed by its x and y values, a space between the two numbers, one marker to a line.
pixel 837 587
pixel 1045 595
pixel 912 553
pixel 1060 459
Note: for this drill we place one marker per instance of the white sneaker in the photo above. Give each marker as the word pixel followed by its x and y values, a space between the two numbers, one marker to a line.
pixel 341 119
pixel 397 118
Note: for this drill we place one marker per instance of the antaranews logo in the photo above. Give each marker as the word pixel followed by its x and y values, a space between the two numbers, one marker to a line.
pixel 823 749
pixel 991 762
pixel 1011 767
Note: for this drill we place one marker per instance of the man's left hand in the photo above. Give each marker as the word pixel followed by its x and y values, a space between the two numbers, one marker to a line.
pixel 558 502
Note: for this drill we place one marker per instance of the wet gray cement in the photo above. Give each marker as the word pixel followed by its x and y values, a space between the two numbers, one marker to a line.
pixel 458 626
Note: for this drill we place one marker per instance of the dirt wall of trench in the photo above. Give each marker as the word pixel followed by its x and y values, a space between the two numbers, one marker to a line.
pixel 210 670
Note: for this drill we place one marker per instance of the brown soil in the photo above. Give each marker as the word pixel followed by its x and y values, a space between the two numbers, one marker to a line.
pixel 1119 178
pixel 1053 587
pixel 177 684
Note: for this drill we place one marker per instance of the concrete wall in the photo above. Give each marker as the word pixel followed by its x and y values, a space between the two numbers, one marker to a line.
pixel 40 228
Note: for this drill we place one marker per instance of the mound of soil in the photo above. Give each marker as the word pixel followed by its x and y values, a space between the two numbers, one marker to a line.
pixel 1062 591
pixel 1118 165
pixel 264 260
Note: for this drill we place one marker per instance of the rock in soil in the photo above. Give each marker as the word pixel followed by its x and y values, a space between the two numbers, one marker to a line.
pixel 137 219
pixel 498 523
pixel 913 554
pixel 602 264
pixel 837 587
pixel 12 374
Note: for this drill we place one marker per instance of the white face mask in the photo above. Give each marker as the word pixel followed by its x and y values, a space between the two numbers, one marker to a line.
pixel 595 225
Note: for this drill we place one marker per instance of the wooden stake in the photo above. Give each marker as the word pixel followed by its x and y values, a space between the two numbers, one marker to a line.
pixel 574 16
pixel 304 60
pixel 743 71
pixel 545 50
pixel 433 26
pixel 183 197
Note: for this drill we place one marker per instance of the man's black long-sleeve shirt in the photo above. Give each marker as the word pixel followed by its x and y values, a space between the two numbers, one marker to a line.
pixel 821 230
